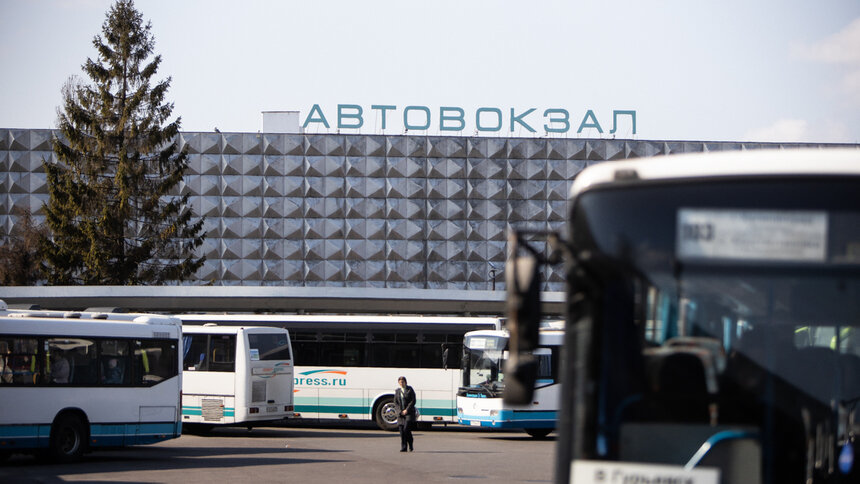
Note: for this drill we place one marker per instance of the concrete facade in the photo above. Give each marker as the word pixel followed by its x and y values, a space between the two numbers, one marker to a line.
pixel 416 212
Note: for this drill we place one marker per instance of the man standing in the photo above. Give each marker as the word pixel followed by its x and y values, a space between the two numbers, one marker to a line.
pixel 404 402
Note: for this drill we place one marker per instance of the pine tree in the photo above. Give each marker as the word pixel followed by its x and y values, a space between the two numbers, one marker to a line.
pixel 114 213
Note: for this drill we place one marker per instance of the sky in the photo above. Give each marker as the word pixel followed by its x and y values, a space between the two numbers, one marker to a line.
pixel 763 70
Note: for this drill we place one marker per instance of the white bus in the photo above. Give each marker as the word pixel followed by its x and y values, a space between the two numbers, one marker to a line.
pixel 347 366
pixel 713 320
pixel 69 384
pixel 479 400
pixel 236 375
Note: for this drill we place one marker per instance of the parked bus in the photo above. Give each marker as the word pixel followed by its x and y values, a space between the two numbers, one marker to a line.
pixel 714 305
pixel 346 367
pixel 69 384
pixel 236 375
pixel 479 400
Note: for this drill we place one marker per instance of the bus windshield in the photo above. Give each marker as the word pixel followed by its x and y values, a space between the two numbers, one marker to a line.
pixel 483 363
pixel 724 306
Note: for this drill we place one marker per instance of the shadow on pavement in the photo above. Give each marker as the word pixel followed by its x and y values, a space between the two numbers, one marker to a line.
pixel 22 467
pixel 292 433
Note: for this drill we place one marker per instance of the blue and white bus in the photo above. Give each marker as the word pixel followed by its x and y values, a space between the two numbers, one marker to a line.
pixel 69 384
pixel 479 400
pixel 346 367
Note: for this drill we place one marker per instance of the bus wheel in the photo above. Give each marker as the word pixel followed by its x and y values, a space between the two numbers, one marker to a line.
pixel 538 433
pixel 386 414
pixel 68 438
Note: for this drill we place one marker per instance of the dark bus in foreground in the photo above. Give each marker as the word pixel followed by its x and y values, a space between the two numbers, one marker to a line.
pixel 713 327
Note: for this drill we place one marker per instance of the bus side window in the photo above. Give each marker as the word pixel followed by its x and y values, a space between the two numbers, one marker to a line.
pixel 404 355
pixel 455 350
pixel 343 354
pixel 431 355
pixel 380 349
pixel 195 352
pixel 343 349
pixel 306 353
pixel 80 354
pixel 545 364
pixel 113 370
pixel 5 361
pixel 23 361
pixel 305 348
pixel 60 367
pixel 155 360
pixel 437 352
pixel 222 353
pixel 114 361
pixel 84 362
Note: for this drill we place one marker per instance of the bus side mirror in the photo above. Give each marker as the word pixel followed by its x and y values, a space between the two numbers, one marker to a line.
pixel 522 276
pixel 523 304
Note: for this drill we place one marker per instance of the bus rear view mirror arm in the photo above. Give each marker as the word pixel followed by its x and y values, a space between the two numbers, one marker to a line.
pixel 522 277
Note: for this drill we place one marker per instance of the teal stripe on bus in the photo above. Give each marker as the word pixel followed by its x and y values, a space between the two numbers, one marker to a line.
pixel 24 436
pixel 437 412
pixel 428 412
pixel 108 435
pixel 101 435
pixel 332 409
pixel 198 411
pixel 512 419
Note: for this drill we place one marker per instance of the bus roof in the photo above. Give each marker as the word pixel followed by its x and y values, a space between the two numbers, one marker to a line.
pixel 724 164
pixel 27 323
pixel 544 330
pixel 547 336
pixel 43 321
pixel 333 318
pixel 216 329
pixel 145 318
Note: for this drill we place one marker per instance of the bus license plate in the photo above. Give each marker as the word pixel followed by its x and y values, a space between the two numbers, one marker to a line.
pixel 475 423
pixel 271 409
pixel 595 471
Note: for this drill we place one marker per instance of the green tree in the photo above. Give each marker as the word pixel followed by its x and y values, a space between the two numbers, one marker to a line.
pixel 114 212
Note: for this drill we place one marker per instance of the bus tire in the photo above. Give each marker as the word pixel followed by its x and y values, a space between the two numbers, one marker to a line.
pixel 68 439
pixel 385 414
pixel 538 433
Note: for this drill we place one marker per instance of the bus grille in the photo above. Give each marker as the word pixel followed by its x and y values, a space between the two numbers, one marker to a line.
pixel 258 391
pixel 213 409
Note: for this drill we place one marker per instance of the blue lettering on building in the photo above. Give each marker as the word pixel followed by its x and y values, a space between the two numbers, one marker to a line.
pixel 483 119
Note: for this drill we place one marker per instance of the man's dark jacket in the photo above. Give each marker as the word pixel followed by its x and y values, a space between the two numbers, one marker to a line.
pixel 409 405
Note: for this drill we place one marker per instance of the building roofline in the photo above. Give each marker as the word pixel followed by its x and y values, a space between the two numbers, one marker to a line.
pixel 342 300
